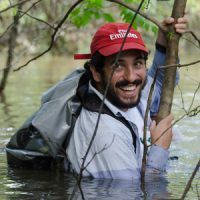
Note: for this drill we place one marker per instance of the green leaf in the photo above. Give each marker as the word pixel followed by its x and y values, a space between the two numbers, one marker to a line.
pixel 154 29
pixel 108 17
pixel 146 26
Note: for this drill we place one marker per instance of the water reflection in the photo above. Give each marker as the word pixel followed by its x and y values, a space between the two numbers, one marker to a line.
pixel 30 184
pixel 5 106
pixel 22 97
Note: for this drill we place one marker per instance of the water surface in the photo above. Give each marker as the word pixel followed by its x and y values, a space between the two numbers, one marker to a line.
pixel 22 97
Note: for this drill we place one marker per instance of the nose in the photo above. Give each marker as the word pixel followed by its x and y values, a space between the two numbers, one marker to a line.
pixel 130 74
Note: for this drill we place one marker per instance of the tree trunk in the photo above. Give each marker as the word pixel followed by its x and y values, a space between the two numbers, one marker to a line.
pixel 172 57
pixel 11 47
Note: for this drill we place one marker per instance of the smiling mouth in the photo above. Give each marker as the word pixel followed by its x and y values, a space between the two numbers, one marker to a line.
pixel 128 91
pixel 128 87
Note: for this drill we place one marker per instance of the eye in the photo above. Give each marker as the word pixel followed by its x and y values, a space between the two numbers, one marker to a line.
pixel 139 64
pixel 120 66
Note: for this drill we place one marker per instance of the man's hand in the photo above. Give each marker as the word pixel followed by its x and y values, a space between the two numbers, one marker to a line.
pixel 157 130
pixel 180 27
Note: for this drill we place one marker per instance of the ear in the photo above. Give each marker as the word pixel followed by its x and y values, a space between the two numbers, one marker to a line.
pixel 96 75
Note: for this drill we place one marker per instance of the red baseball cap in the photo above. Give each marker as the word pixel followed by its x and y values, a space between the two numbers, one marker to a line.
pixel 108 40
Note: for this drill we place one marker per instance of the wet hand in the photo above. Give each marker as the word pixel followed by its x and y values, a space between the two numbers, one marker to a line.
pixel 163 127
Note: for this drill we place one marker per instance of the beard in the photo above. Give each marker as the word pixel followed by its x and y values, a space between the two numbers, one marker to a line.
pixel 116 100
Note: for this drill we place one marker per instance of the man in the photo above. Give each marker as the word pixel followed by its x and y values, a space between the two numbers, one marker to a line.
pixel 115 152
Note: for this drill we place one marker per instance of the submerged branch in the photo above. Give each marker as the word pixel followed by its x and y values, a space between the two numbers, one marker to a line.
pixel 82 168
pixel 145 129
pixel 188 186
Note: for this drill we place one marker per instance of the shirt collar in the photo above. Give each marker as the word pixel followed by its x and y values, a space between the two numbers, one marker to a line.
pixel 116 111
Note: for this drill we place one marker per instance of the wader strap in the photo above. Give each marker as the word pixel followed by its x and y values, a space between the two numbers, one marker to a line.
pixel 92 103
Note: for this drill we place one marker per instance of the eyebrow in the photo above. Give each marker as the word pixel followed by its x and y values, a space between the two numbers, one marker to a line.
pixel 112 62
pixel 137 58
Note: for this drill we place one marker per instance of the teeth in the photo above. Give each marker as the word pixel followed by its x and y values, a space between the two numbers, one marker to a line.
pixel 128 87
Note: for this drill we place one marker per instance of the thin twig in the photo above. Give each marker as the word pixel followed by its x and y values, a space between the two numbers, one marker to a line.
pixel 105 93
pixel 53 36
pixel 99 152
pixel 134 8
pixel 19 18
pixel 187 188
pixel 191 113
pixel 194 36
pixel 14 5
pixel 190 41
pixel 180 65
pixel 194 97
pixel 38 19
pixel 182 99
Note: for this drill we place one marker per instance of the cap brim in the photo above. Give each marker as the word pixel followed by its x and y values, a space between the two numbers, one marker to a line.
pixel 82 56
pixel 113 49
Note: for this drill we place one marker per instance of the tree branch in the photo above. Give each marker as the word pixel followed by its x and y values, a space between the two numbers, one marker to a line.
pixel 19 18
pixel 191 113
pixel 11 46
pixel 180 65
pixel 38 19
pixel 194 36
pixel 134 9
pixel 187 188
pixel 52 36
pixel 14 5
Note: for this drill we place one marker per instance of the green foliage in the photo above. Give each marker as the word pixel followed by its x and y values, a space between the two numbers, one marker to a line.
pixel 90 9
pixel 140 22
pixel 95 9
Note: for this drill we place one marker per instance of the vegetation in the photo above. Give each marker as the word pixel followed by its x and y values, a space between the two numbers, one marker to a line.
pixel 34 27
pixel 39 18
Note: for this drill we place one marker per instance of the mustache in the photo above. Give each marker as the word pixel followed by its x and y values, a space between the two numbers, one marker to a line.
pixel 125 83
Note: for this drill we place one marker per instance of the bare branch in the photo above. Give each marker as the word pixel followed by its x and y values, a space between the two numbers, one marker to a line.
pixel 134 8
pixel 38 19
pixel 14 5
pixel 11 45
pixel 96 153
pixel 182 99
pixel 145 129
pixel 106 90
pixel 194 97
pixel 19 18
pixel 191 113
pixel 187 188
pixel 194 36
pixel 52 37
pixel 190 41
pixel 180 65
pixel 197 189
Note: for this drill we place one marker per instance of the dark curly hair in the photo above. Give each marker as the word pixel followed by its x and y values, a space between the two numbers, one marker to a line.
pixel 98 61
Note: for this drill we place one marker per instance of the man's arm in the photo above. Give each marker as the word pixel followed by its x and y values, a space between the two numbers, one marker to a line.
pixel 159 60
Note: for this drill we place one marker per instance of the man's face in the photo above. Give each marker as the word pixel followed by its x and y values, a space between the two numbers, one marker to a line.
pixel 128 79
